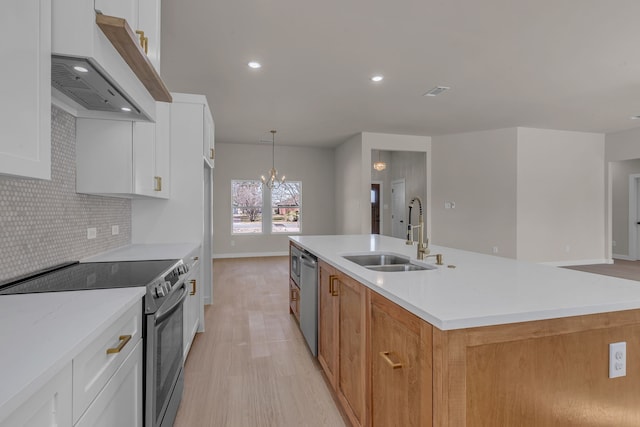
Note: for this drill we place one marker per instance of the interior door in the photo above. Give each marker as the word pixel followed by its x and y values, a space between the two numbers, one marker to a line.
pixel 398 225
pixel 375 208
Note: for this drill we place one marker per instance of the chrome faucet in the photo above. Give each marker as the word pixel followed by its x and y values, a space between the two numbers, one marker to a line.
pixel 423 246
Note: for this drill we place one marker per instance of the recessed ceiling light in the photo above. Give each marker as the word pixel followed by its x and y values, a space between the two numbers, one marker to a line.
pixel 254 64
pixel 377 78
pixel 127 109
pixel 436 91
pixel 635 117
pixel 80 69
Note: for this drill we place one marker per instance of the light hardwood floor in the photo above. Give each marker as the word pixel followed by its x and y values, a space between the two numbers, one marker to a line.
pixel 251 366
pixel 619 268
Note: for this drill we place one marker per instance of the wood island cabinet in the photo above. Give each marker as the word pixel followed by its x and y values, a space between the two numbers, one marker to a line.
pixel 389 367
pixel 400 366
pixel 342 340
pixel 352 350
pixel 294 300
pixel 328 321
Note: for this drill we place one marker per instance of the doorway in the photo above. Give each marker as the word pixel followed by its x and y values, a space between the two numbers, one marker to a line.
pixel 376 202
pixel 634 217
pixel 398 228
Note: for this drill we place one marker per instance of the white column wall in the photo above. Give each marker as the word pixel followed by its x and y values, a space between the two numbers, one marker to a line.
pixel 561 196
pixel 476 171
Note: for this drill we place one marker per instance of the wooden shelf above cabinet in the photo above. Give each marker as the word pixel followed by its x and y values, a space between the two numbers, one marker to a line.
pixel 126 43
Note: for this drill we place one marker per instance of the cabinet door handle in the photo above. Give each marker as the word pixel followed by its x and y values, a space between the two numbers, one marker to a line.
pixel 394 365
pixel 333 289
pixel 144 41
pixel 158 183
pixel 193 287
pixel 124 339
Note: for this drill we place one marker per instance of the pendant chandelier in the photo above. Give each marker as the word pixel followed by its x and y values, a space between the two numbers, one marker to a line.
pixel 273 181
pixel 379 165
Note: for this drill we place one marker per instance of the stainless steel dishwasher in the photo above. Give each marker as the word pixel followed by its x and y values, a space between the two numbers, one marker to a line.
pixel 309 300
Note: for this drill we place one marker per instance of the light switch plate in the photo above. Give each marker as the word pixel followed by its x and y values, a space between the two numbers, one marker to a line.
pixel 92 233
pixel 617 359
pixel 115 230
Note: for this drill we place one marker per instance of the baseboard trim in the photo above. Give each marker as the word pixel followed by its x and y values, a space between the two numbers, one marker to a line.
pixel 623 257
pixel 578 262
pixel 250 255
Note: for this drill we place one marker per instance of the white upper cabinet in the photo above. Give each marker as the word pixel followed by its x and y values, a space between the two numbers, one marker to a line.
pixel 25 88
pixel 143 16
pixel 209 136
pixel 149 23
pixel 127 9
pixel 124 159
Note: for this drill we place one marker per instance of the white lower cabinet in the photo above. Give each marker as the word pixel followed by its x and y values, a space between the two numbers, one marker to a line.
pixel 120 401
pixel 101 386
pixel 98 363
pixel 192 306
pixel 48 407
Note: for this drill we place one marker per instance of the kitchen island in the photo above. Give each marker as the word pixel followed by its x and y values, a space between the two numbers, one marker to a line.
pixel 491 342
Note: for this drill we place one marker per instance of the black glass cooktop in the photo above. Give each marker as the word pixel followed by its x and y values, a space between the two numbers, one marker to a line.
pixel 91 275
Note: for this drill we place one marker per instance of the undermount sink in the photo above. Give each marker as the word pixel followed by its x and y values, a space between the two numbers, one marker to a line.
pixel 398 267
pixel 386 262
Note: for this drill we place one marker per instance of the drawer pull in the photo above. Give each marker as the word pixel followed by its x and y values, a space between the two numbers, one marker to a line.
pixel 193 287
pixel 124 339
pixel 385 356
pixel 332 286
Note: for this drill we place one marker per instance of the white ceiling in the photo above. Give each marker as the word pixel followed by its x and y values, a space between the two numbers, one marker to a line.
pixel 556 64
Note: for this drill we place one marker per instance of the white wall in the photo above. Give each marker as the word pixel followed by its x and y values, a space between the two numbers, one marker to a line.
pixel 385 178
pixel 348 200
pixel 396 143
pixel 623 145
pixel 561 197
pixel 408 165
pixel 313 166
pixel 477 171
pixel 620 172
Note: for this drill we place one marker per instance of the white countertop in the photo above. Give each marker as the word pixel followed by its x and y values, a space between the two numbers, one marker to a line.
pixel 41 333
pixel 482 290
pixel 138 252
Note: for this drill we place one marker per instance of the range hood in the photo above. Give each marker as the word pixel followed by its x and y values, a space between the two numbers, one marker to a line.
pixel 119 75
pixel 82 81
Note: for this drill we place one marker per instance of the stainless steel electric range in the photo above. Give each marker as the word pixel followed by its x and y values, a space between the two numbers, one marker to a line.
pixel 163 329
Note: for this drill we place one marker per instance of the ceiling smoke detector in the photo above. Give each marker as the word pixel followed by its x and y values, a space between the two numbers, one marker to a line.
pixel 436 91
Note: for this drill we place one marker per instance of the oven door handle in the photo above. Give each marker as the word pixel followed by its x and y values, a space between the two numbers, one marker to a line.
pixel 162 315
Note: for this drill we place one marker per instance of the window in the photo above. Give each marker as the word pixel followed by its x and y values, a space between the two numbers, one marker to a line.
pixel 246 205
pixel 286 207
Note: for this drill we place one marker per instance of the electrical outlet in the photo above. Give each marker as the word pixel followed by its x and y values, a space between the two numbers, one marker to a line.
pixel 115 230
pixel 494 249
pixel 617 359
pixel 92 233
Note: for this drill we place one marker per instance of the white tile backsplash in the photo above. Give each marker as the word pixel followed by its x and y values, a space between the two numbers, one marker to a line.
pixel 44 223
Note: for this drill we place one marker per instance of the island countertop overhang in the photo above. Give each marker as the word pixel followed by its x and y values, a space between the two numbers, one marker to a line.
pixel 482 290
